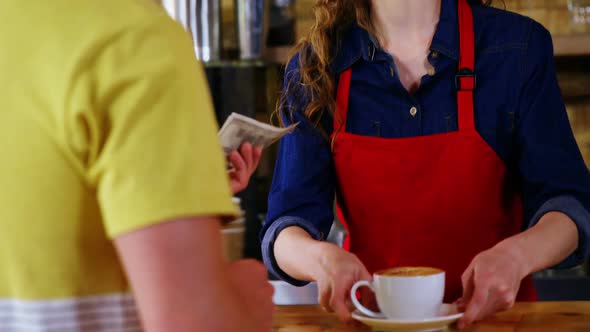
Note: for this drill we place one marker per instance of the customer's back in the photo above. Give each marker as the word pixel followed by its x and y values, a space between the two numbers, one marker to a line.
pixel 96 141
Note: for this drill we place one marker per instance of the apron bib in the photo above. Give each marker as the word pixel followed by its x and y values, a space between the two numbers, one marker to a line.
pixel 435 200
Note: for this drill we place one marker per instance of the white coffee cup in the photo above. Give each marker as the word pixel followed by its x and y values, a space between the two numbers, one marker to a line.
pixel 404 293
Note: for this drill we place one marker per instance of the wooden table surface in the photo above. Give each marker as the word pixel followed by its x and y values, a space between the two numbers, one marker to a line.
pixel 524 317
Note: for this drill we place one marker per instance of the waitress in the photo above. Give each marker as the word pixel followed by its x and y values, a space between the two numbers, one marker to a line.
pixel 439 127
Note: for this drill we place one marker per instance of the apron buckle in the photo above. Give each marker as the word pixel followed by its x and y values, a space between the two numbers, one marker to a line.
pixel 465 80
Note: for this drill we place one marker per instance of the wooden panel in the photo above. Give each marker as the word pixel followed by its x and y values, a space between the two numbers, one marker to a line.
pixel 579 114
pixel 568 38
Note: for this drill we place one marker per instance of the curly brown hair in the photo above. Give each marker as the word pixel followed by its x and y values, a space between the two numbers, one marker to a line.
pixel 313 90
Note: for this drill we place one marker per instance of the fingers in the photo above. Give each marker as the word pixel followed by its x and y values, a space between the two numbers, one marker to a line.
pixel 460 303
pixel 245 161
pixel 248 155
pixel 349 305
pixel 239 164
pixel 476 304
pixel 338 304
pixel 473 310
pixel 505 297
pixel 325 293
pixel 365 275
pixel 239 173
pixel 490 296
pixel 468 287
pixel 484 293
pixel 341 310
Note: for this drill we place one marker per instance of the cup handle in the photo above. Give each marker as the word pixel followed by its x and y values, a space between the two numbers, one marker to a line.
pixel 356 302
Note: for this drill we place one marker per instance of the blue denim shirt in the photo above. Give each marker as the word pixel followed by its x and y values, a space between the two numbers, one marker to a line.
pixel 519 113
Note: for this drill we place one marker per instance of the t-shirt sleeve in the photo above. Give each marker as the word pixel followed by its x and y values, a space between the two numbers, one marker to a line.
pixel 158 157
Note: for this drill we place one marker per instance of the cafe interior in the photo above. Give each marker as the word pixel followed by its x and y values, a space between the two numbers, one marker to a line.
pixel 244 46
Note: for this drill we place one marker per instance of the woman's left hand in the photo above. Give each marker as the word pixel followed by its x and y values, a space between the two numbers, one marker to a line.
pixel 244 164
pixel 491 282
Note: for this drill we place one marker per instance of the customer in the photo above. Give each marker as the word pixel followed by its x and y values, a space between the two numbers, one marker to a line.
pixel 110 173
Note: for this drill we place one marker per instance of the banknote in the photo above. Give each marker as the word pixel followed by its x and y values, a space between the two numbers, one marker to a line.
pixel 239 129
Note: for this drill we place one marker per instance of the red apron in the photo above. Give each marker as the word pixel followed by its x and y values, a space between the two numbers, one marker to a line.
pixel 435 200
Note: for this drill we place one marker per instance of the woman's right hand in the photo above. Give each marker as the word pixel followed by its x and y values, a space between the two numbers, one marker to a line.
pixel 336 272
pixel 333 268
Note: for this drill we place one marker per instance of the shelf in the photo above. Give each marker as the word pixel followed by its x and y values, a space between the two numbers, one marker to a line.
pixel 569 38
pixel 575 45
pixel 574 84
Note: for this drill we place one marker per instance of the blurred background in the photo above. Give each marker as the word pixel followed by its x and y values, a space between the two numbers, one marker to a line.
pixel 244 45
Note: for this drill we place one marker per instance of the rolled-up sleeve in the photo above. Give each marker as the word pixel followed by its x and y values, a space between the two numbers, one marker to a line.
pixel 555 178
pixel 303 187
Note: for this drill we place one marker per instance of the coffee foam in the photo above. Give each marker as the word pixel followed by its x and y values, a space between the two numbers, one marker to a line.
pixel 409 271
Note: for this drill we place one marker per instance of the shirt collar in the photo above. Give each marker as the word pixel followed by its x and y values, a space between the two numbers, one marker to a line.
pixel 446 36
pixel 357 43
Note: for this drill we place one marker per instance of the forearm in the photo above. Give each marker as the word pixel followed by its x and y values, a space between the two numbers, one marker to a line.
pixel 546 244
pixel 179 276
pixel 297 253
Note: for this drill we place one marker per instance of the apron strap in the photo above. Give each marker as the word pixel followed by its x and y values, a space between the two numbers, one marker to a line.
pixel 342 97
pixel 465 80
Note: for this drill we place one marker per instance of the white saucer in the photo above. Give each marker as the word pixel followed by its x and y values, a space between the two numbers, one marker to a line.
pixel 448 315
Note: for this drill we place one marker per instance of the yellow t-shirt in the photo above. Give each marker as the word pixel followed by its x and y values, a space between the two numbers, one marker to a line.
pixel 106 126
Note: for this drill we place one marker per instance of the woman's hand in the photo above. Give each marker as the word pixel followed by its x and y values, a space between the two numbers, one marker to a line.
pixel 491 282
pixel 337 271
pixel 244 164
pixel 333 268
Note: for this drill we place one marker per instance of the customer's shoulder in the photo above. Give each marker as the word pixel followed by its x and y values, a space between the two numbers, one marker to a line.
pixel 93 19
pixel 123 14
pixel 499 29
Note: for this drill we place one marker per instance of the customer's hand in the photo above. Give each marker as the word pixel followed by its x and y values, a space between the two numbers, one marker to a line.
pixel 244 164
pixel 491 282
pixel 338 270
pixel 250 281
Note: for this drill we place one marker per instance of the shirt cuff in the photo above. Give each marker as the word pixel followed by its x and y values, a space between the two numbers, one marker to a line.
pixel 575 211
pixel 268 243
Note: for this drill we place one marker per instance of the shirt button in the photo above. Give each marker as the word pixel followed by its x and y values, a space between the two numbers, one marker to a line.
pixel 431 71
pixel 413 111
pixel 434 54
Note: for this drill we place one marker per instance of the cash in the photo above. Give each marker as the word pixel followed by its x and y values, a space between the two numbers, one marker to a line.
pixel 239 129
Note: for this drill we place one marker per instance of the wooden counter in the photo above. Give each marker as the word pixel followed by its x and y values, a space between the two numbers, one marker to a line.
pixel 524 317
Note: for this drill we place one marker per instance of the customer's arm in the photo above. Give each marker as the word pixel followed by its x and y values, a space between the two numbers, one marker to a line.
pixel 179 277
